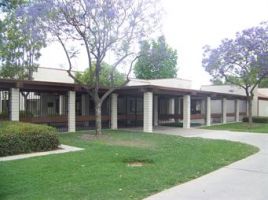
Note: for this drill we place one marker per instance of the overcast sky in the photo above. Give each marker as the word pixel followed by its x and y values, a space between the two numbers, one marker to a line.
pixel 189 25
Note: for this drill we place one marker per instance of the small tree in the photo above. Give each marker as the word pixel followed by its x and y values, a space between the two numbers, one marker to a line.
pixel 100 28
pixel 241 61
pixel 157 60
pixel 119 78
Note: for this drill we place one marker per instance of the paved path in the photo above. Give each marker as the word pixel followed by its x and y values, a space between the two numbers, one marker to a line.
pixel 246 179
pixel 62 149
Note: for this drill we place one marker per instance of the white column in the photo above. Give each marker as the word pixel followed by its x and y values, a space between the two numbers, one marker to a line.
pixel 208 111
pixel 203 106
pixel 186 111
pixel 224 110
pixel 14 104
pixel 155 110
pixel 171 106
pixel 61 104
pixel 237 106
pixel 22 103
pixel 148 112
pixel 178 108
pixel 114 111
pixel 83 104
pixel 71 111
pixel 1 101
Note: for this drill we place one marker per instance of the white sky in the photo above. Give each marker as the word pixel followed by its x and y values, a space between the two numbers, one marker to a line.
pixel 189 25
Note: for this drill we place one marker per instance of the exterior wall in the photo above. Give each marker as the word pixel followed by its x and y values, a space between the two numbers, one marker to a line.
pixel 230 109
pixel 168 82
pixel 216 106
pixel 52 75
pixel 227 89
pixel 263 108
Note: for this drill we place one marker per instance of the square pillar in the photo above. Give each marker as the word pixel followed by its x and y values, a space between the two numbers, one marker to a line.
pixel 71 111
pixel 224 110
pixel 155 110
pixel 114 111
pixel 177 108
pixel 83 104
pixel 237 106
pixel 14 104
pixel 148 112
pixel 61 104
pixel 22 103
pixel 186 111
pixel 171 106
pixel 208 111
pixel 1 102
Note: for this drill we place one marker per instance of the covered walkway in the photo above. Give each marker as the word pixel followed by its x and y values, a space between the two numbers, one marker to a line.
pixel 69 107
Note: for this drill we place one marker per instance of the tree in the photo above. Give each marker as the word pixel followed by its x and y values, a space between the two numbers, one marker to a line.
pixel 242 61
pixel 119 78
pixel 7 5
pixel 19 51
pixel 112 27
pixel 157 60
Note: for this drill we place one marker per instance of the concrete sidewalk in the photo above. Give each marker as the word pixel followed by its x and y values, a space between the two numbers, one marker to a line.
pixel 246 179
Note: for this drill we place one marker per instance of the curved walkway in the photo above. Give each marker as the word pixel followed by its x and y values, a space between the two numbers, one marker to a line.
pixel 246 179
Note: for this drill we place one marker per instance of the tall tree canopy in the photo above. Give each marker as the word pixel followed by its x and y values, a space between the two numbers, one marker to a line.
pixel 242 61
pixel 157 60
pixel 100 28
pixel 19 51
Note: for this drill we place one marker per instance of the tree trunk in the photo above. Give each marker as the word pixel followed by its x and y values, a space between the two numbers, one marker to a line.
pixel 98 118
pixel 250 121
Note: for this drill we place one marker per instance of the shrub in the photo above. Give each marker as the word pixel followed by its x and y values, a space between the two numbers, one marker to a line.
pixel 4 115
pixel 26 114
pixel 17 138
pixel 257 119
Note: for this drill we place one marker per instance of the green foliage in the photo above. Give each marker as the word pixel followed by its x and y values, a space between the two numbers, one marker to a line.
pixel 19 48
pixel 7 5
pixel 157 60
pixel 26 113
pixel 87 78
pixel 257 119
pixel 17 137
pixel 264 83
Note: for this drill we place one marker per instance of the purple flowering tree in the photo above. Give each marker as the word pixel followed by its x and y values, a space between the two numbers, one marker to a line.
pixel 242 61
pixel 100 28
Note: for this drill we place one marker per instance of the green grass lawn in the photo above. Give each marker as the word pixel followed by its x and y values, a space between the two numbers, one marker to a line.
pixel 101 171
pixel 241 126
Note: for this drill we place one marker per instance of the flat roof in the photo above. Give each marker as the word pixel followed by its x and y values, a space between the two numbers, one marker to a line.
pixel 38 86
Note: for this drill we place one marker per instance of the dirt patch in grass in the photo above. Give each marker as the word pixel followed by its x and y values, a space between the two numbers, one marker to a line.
pixel 91 137
pixel 128 143
pixel 109 140
pixel 135 164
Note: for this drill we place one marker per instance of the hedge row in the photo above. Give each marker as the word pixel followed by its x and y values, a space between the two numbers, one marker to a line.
pixel 5 115
pixel 17 138
pixel 257 119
